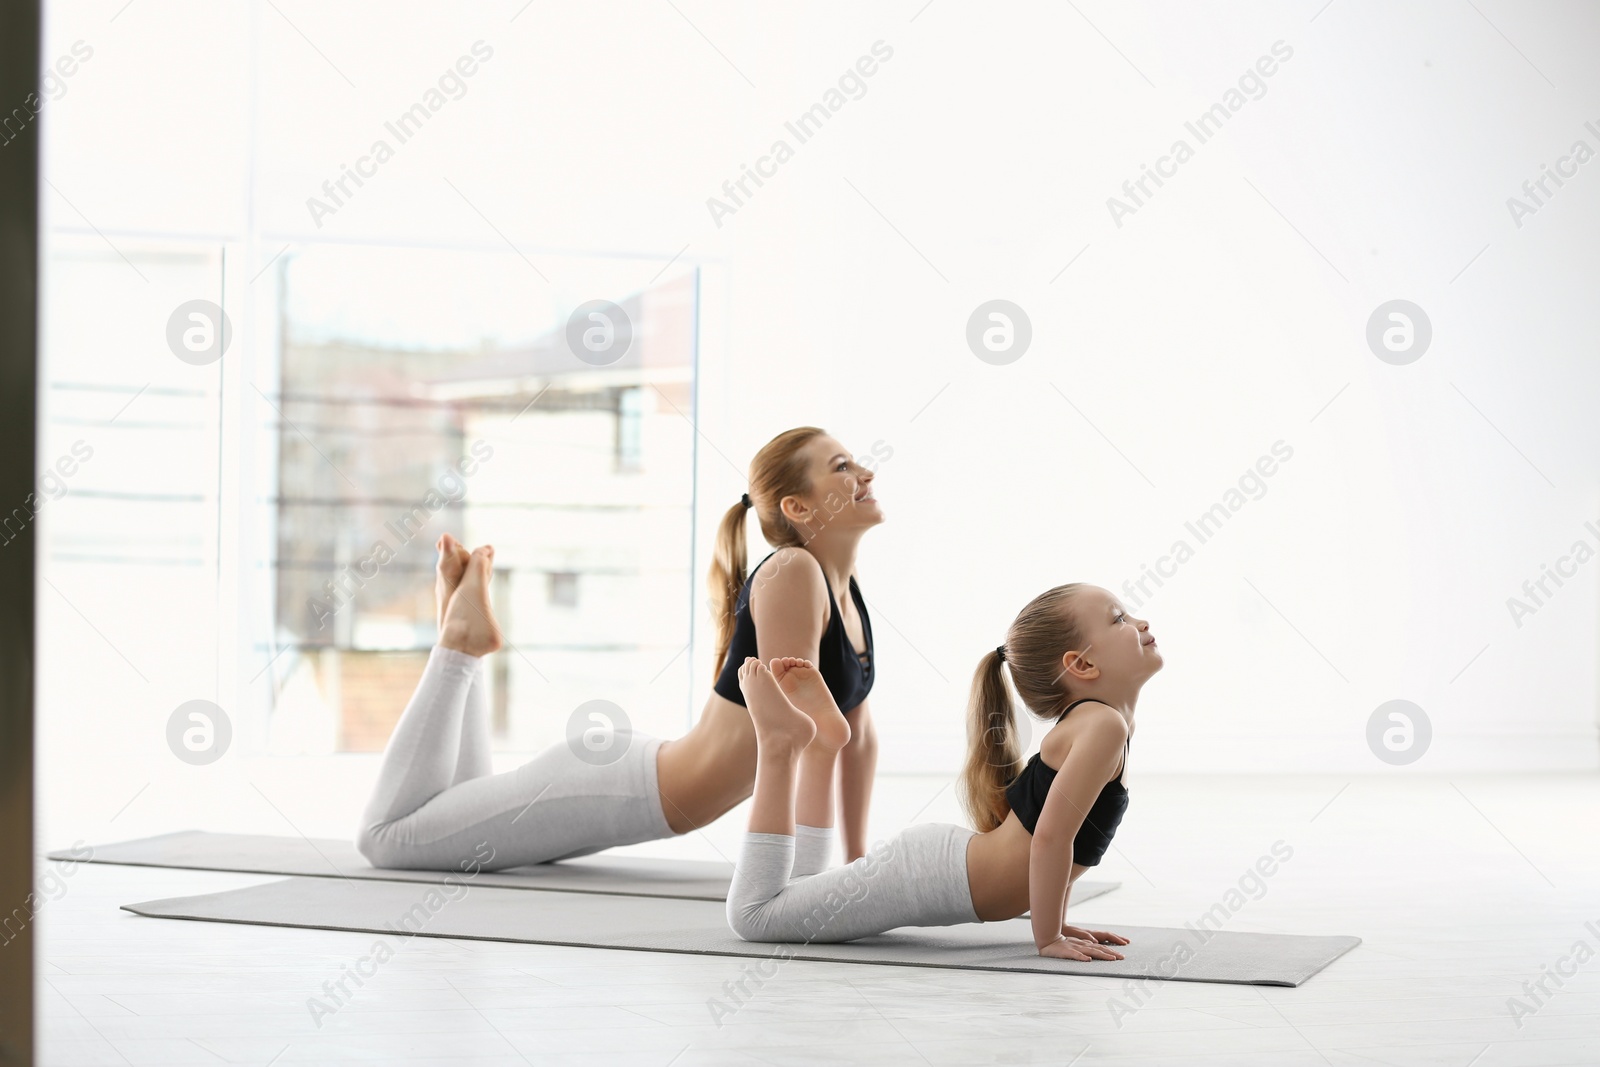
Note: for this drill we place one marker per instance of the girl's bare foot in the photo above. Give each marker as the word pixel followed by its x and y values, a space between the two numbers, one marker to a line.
pixel 469 624
pixel 802 683
pixel 781 728
pixel 452 564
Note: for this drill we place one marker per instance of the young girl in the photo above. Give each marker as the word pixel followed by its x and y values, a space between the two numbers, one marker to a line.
pixel 1071 650
pixel 436 800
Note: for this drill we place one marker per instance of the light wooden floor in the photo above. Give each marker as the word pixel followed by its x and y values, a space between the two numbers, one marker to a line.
pixel 1463 889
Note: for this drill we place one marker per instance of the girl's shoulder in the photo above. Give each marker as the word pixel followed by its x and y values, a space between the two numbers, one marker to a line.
pixel 1092 718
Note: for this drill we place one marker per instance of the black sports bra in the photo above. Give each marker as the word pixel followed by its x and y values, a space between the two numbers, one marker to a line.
pixel 1027 792
pixel 847 674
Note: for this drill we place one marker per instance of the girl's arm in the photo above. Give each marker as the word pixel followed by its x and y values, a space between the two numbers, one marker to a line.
pixel 858 763
pixel 1096 748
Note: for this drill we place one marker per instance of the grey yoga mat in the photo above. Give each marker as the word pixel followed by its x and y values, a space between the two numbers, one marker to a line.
pixel 488 913
pixel 327 858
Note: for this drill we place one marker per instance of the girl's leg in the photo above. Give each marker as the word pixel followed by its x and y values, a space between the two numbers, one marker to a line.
pixel 782 733
pixel 813 849
pixel 921 880
pixel 917 879
pixel 766 859
pixel 814 813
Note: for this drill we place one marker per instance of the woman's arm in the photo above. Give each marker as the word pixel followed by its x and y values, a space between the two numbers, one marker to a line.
pixel 789 605
pixel 1096 747
pixel 858 763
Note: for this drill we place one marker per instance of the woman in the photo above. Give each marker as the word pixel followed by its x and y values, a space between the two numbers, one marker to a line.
pixel 436 801
pixel 1040 826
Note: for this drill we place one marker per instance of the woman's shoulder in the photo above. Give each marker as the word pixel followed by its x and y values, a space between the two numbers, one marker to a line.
pixel 789 573
pixel 793 565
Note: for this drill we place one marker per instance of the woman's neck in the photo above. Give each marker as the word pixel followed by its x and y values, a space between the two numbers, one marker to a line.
pixel 836 553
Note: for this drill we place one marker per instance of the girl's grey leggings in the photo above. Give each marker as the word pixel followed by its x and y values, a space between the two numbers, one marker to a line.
pixel 437 802
pixel 919 878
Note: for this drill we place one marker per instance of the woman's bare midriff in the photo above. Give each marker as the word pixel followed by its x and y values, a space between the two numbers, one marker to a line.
pixel 710 770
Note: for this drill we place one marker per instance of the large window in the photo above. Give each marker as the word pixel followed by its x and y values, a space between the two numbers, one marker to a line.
pixel 371 399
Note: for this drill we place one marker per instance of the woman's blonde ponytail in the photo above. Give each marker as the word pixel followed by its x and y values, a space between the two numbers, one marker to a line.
pixel 777 471
pixel 728 562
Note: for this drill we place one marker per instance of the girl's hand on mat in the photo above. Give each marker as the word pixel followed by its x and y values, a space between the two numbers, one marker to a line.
pixel 1077 948
pixel 1099 937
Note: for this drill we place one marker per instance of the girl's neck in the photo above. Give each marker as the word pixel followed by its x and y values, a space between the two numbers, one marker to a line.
pixel 1124 701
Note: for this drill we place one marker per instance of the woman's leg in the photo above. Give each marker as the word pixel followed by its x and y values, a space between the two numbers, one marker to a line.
pixel 432 811
pixel 475 748
pixel 442 736
pixel 420 760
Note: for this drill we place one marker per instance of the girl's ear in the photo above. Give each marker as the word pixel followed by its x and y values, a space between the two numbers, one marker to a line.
pixel 1076 664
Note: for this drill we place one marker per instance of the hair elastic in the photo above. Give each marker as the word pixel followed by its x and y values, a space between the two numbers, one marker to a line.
pixel 1000 650
pixel 744 498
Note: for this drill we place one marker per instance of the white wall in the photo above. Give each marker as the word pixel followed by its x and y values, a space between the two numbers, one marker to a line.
pixel 1221 317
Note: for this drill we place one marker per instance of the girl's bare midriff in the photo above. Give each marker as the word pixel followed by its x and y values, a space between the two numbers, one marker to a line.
pixel 997 870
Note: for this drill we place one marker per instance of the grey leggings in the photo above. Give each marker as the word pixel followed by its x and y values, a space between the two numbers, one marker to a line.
pixel 919 878
pixel 437 802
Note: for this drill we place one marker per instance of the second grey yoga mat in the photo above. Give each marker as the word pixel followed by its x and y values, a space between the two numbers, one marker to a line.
pixel 327 858
pixel 700 927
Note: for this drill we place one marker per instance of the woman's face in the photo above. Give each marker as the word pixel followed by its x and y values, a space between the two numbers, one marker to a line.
pixel 841 489
pixel 1117 643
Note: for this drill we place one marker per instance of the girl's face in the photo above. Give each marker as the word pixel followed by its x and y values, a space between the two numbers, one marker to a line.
pixel 841 489
pixel 1117 643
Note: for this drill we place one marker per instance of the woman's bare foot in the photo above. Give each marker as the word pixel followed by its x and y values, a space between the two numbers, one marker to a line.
pixel 453 557
pixel 781 728
pixel 469 624
pixel 802 683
